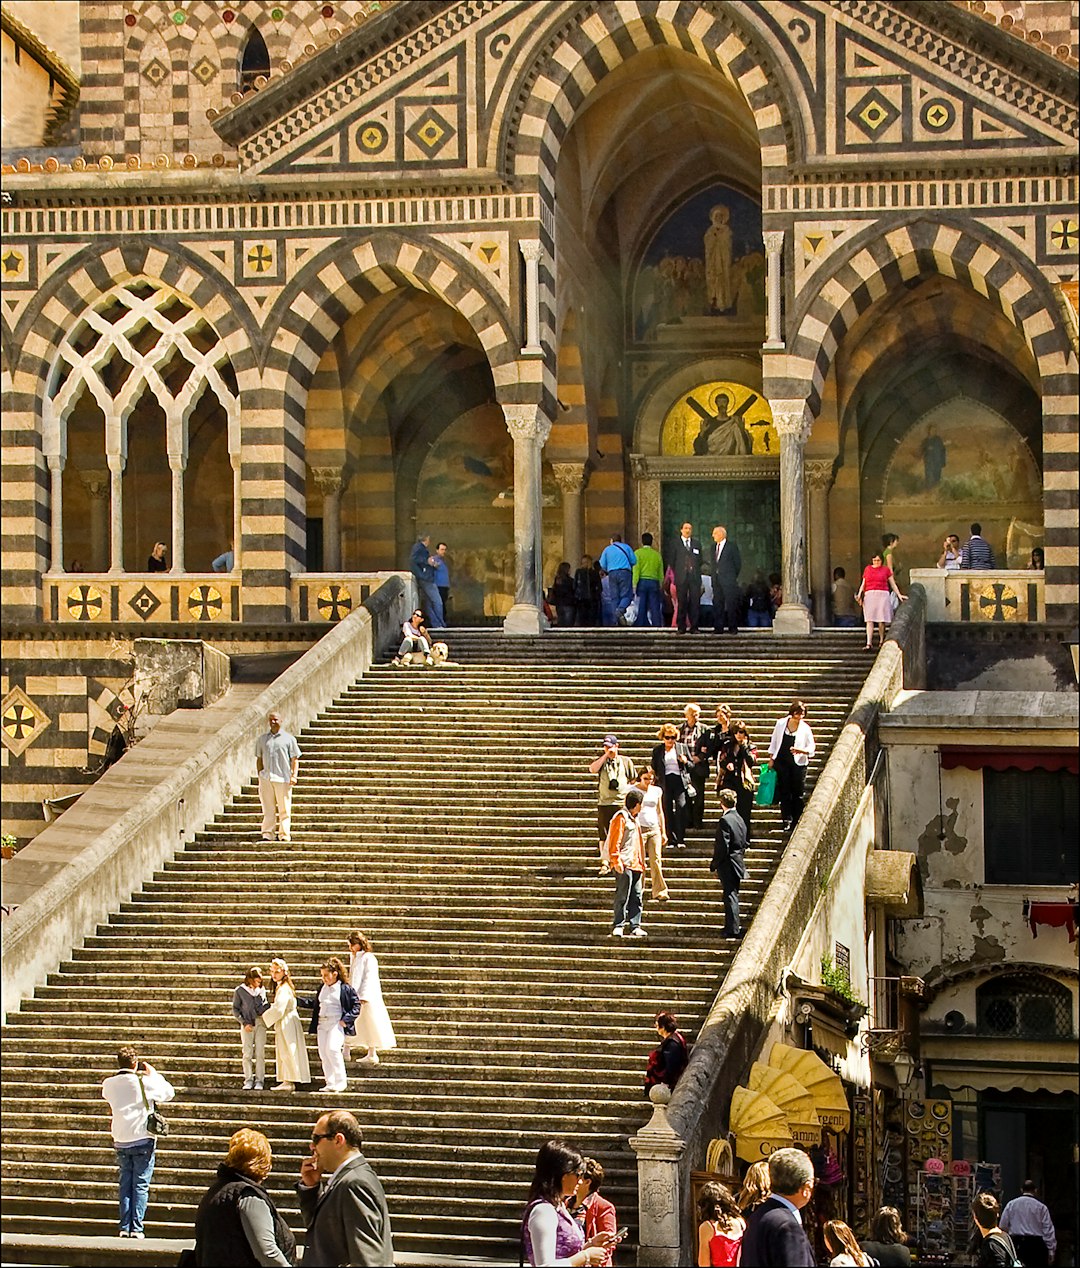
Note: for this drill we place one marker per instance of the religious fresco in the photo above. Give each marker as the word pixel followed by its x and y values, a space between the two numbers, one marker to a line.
pixel 703 273
pixel 959 463
pixel 465 497
pixel 720 419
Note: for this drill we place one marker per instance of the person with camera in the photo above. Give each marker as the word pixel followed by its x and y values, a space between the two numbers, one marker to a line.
pixel 615 774
pixel 132 1093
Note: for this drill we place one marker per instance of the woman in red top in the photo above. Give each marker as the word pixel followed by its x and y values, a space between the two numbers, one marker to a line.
pixel 877 582
pixel 720 1227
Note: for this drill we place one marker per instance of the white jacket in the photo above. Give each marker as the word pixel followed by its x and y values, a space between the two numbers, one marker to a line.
pixel 804 739
pixel 121 1090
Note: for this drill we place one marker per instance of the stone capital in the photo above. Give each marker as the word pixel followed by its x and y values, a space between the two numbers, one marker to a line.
pixel 791 418
pixel 570 476
pixel 96 481
pixel 820 474
pixel 774 241
pixel 526 422
pixel 531 248
pixel 330 480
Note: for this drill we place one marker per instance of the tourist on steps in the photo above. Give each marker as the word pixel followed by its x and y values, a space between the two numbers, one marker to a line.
pixel 334 1009
pixel 237 1222
pixel 671 763
pixel 729 860
pixel 666 1063
pixel 414 638
pixel 735 760
pixel 653 831
pixel 594 1213
pixel 614 775
pixel 373 1027
pixel 277 760
pixel 690 733
pixel 249 1003
pixel 790 750
pixel 290 1050
pixel 132 1092
pixel 720 1227
pixel 626 858
pixel 874 595
pixel 550 1236
pixel 347 1219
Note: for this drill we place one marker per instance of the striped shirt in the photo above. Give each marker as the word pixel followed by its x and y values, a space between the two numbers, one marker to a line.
pixel 976 553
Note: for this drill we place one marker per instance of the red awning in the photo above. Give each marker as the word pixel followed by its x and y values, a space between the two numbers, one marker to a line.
pixel 954 755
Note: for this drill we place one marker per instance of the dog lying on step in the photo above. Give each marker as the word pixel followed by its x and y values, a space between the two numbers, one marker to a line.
pixel 440 655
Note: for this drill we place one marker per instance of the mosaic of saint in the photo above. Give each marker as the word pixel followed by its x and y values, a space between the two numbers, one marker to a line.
pixel 722 420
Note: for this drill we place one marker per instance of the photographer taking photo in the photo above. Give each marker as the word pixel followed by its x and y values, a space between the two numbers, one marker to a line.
pixel 615 774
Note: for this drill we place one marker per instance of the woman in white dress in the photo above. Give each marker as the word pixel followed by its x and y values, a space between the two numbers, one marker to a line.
pixel 373 1027
pixel 290 1048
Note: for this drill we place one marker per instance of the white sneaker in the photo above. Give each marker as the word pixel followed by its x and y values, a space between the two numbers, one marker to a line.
pixel 639 932
pixel 248 1084
pixel 258 1087
pixel 617 932
pixel 140 1236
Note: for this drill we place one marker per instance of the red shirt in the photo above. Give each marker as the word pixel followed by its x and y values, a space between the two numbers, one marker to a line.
pixel 876 578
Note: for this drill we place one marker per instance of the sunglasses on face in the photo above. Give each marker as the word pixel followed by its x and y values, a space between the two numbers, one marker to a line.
pixel 317 1136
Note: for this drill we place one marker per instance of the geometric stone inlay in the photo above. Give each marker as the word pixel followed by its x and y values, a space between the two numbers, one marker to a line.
pixel 204 603
pixel 155 72
pixel 204 70
pixel 937 115
pixel 21 721
pixel 144 603
pixel 333 602
pixel 873 113
pixel 1064 235
pixel 84 603
pixel 998 602
pixel 372 137
pixel 430 132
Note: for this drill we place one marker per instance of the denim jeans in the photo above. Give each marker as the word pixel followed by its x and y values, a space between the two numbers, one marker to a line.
pixel 627 899
pixel 136 1164
pixel 622 590
pixel 649 605
pixel 431 602
pixel 758 620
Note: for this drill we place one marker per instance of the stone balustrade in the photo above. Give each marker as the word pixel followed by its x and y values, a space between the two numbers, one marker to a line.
pixel 994 595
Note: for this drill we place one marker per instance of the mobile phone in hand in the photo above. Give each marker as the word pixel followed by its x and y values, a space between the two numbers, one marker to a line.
pixel 622 1233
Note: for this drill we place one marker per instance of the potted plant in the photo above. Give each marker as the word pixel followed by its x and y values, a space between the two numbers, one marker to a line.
pixel 9 845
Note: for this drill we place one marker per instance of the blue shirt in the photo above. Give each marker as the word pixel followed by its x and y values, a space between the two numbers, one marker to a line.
pixel 617 555
pixel 277 753
pixel 976 553
pixel 224 562
pixel 442 573
pixel 790 1206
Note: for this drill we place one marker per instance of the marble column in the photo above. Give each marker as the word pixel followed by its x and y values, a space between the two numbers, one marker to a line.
pixel 774 246
pixel 532 251
pixel 237 533
pixel 116 509
pixel 56 512
pixel 819 478
pixel 97 485
pixel 331 485
pixel 570 477
pixel 177 465
pixel 792 420
pixel 530 430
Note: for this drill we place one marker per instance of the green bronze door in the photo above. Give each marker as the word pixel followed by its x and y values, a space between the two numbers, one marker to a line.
pixel 748 509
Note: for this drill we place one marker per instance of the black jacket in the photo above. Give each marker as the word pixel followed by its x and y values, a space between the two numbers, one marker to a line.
pixel 725 572
pixel 775 1238
pixel 658 761
pixel 350 1008
pixel 220 1240
pixel 349 1222
pixel 730 843
pixel 685 564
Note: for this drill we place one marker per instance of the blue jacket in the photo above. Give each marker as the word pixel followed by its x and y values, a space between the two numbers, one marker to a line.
pixel 350 1008
pixel 418 563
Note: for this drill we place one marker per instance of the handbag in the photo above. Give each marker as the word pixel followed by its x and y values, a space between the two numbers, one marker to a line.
pixel 155 1122
pixel 766 790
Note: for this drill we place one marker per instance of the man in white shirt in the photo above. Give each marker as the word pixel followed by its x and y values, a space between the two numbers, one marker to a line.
pixel 1028 1223
pixel 132 1093
pixel 277 758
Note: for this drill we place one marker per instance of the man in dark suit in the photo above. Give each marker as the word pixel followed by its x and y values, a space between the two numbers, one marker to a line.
pixel 684 560
pixel 727 860
pixel 775 1237
pixel 726 563
pixel 341 1199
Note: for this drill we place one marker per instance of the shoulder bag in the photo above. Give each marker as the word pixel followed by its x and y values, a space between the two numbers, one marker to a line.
pixel 155 1122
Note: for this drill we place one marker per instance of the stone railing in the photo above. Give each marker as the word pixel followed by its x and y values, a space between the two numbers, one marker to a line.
pixel 675 1141
pixel 80 868
pixel 329 596
pixel 988 595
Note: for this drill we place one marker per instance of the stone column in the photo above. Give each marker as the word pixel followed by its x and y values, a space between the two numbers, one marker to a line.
pixel 56 512
pixel 792 422
pixel 237 533
pixel 177 465
pixel 97 485
pixel 819 477
pixel 660 1199
pixel 774 246
pixel 530 429
pixel 331 485
pixel 570 477
pixel 532 251
pixel 116 508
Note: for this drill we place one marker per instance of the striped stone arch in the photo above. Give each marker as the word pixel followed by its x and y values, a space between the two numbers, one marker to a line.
pixel 298 16
pixel 578 50
pixel 877 262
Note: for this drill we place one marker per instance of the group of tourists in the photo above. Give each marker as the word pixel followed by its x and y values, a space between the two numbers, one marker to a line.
pixel 640 813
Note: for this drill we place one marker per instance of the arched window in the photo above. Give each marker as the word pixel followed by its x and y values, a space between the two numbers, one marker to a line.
pixel 254 61
pixel 1024 1006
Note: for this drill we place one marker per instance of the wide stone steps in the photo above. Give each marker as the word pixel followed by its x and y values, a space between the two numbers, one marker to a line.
pixel 450 814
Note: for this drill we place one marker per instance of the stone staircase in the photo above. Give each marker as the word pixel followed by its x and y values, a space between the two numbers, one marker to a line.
pixel 449 813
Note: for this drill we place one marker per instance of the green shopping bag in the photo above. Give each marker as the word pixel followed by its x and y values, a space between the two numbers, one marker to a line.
pixel 766 789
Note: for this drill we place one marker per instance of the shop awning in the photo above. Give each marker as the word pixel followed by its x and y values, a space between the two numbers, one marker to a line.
pixel 789 1095
pixel 959 1075
pixel 830 1100
pixel 758 1124
pixel 973 758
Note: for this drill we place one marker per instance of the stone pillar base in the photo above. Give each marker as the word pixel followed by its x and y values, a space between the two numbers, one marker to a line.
pixel 792 618
pixel 525 618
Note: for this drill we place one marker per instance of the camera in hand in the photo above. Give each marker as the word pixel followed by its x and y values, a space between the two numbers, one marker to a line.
pixel 613 785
